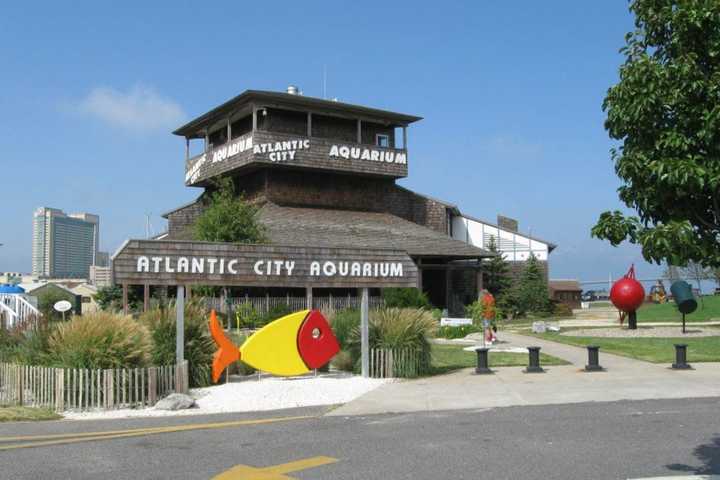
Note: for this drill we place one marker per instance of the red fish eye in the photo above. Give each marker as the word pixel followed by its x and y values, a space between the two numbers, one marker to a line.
pixel 316 342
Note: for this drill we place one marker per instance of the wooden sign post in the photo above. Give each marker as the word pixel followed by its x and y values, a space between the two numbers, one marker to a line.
pixel 180 326
pixel 365 332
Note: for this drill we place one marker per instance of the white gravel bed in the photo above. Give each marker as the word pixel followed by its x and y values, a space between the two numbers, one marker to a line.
pixel 251 395
pixel 643 332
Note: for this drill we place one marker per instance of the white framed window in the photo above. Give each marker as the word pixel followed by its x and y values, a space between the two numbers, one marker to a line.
pixel 382 140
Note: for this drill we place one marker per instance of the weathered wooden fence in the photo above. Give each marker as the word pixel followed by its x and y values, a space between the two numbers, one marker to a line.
pixel 264 304
pixel 84 389
pixel 395 363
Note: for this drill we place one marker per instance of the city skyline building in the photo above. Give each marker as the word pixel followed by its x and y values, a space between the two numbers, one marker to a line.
pixel 64 245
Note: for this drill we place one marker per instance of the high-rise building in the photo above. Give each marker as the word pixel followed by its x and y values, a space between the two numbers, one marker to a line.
pixel 64 245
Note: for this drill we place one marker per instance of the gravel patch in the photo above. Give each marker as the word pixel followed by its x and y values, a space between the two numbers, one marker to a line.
pixel 642 332
pixel 252 395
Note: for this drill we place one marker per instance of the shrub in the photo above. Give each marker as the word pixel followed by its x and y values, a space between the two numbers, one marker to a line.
pixel 460 331
pixel 344 361
pixel 405 298
pixel 47 300
pixel 562 310
pixel 398 328
pixel 98 340
pixel 274 313
pixel 199 345
pixel 344 323
pixel 246 316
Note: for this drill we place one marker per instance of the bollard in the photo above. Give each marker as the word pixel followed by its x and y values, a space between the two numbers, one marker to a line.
pixel 482 367
pixel 534 361
pixel 681 357
pixel 593 359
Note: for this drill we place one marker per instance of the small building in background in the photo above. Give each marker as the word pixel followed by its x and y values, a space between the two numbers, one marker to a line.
pixel 567 292
pixel 100 276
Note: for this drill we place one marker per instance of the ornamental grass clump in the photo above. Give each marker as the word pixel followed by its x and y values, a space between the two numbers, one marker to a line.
pixel 407 329
pixel 99 340
pixel 199 345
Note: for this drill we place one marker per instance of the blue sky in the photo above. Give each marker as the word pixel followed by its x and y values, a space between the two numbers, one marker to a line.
pixel 511 93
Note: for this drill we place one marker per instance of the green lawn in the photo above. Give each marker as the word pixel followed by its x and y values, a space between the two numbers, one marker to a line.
pixel 26 414
pixel 708 309
pixel 446 358
pixel 656 350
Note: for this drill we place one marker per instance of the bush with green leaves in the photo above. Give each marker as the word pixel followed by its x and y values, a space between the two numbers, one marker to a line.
pixel 246 316
pixel 398 329
pixel 461 331
pixel 98 340
pixel 274 313
pixel 405 298
pixel 199 345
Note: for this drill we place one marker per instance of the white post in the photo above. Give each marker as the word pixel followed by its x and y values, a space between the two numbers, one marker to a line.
pixel 365 332
pixel 180 326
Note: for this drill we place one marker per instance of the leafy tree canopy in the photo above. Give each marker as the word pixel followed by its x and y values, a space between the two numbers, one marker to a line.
pixel 229 218
pixel 665 112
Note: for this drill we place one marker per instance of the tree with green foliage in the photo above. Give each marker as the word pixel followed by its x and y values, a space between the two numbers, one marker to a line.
pixel 531 291
pixel 228 217
pixel 496 271
pixel 665 112
pixel 47 300
pixel 109 297
pixel 405 298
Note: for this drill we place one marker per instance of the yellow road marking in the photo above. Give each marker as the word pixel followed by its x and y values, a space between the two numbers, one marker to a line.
pixel 62 439
pixel 273 472
pixel 300 465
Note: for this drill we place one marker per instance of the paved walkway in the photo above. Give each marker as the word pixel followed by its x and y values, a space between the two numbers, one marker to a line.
pixel 623 379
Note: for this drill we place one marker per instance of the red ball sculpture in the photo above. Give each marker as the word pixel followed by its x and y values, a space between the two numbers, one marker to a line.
pixel 627 294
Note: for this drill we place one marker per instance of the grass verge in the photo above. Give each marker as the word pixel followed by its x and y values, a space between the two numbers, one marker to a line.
pixel 708 309
pixel 655 350
pixel 27 414
pixel 446 358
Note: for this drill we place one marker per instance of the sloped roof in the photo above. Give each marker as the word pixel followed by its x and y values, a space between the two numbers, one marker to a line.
pixel 355 229
pixel 564 285
pixel 282 98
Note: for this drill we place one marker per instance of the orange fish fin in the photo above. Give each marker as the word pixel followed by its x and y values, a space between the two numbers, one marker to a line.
pixel 227 352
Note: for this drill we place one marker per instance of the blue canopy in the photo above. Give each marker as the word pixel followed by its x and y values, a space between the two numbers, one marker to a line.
pixel 7 288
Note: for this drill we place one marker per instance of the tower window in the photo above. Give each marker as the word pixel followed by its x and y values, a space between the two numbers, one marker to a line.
pixel 382 140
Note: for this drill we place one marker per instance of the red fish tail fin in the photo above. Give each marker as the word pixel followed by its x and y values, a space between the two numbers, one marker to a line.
pixel 227 352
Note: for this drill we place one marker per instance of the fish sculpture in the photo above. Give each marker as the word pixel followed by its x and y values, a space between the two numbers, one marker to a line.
pixel 291 345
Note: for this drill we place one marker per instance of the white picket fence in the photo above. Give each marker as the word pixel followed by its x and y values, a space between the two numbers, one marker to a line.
pixel 79 389
pixel 264 304
pixel 17 312
pixel 395 363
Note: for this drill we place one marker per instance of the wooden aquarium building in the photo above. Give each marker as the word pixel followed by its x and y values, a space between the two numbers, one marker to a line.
pixel 324 176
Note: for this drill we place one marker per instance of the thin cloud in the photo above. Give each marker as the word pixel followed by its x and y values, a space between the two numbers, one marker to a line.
pixel 509 147
pixel 140 109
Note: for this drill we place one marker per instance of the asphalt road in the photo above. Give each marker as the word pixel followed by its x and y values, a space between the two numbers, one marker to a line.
pixel 615 440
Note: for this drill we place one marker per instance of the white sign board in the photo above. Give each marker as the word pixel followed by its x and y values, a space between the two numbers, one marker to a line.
pixel 62 306
pixel 455 322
